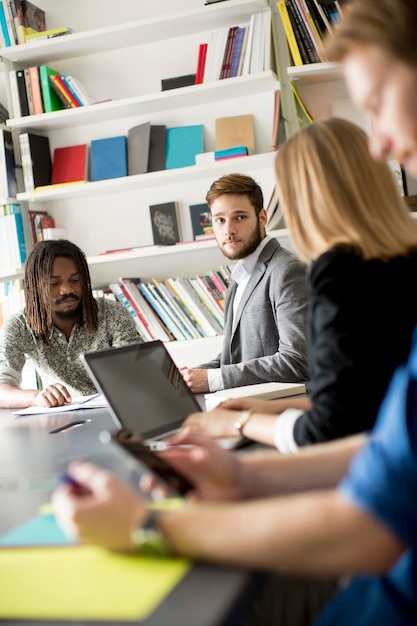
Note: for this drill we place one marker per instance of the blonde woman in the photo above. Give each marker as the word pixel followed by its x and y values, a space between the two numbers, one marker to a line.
pixel 349 223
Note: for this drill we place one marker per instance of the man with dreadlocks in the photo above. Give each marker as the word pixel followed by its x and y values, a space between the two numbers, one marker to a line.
pixel 61 320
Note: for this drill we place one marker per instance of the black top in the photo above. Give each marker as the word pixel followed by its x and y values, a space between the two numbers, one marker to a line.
pixel 362 315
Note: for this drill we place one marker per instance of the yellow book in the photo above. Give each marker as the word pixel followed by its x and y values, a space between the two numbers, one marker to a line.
pixel 289 33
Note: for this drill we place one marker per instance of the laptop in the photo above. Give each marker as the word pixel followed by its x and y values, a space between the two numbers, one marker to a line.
pixel 146 393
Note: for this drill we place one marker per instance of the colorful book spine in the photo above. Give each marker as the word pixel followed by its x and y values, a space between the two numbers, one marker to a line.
pixel 289 33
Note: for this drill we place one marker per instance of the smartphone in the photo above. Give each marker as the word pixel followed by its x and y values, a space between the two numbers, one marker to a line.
pixel 135 445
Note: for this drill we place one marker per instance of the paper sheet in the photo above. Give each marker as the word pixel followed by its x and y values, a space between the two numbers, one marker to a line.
pixel 84 583
pixel 94 401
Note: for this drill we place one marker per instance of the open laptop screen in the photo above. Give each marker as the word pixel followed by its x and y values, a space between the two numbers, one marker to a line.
pixel 145 391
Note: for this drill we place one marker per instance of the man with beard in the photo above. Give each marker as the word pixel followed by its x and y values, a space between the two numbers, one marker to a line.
pixel 266 303
pixel 61 320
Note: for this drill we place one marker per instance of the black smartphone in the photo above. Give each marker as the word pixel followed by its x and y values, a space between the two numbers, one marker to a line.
pixel 135 445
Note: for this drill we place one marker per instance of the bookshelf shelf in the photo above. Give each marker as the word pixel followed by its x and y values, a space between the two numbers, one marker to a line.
pixel 132 33
pixel 315 72
pixel 194 95
pixel 152 179
pixel 152 261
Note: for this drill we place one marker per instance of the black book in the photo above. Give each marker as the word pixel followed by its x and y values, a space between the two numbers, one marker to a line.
pixel 301 33
pixel 36 160
pixel 165 224
pixel 157 148
pixel 21 90
pixel 177 81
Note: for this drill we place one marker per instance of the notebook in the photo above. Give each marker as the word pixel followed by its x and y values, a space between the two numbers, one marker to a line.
pixel 145 390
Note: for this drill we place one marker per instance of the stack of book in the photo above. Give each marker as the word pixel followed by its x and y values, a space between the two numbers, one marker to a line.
pixel 22 21
pixel 12 239
pixel 305 23
pixel 12 298
pixel 41 89
pixel 176 308
pixel 236 51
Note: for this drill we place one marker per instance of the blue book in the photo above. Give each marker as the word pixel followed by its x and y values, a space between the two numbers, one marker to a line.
pixel 108 158
pixel 16 211
pixel 3 25
pixel 183 143
pixel 237 50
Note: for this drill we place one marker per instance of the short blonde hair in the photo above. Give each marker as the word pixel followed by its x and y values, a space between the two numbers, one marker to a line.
pixel 333 193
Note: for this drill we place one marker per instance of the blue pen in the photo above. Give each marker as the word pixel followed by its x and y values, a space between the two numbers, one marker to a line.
pixel 66 479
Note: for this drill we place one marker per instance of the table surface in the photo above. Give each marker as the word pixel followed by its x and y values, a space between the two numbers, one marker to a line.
pixel 32 460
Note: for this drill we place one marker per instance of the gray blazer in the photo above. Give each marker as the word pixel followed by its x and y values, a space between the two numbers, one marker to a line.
pixel 267 340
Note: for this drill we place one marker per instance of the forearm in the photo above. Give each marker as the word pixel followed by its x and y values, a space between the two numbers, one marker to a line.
pixel 266 473
pixel 261 425
pixel 15 398
pixel 315 533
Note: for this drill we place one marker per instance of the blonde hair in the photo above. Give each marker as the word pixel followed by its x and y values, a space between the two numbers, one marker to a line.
pixel 334 193
pixel 389 25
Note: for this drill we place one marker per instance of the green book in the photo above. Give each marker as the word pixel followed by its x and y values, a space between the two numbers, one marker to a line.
pixel 51 102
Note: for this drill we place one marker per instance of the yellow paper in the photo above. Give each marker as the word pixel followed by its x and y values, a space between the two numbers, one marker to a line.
pixel 84 583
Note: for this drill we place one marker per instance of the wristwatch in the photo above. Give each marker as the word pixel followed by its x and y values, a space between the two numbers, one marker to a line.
pixel 148 539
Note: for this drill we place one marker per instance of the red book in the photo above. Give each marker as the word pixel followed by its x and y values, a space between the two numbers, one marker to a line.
pixel 69 165
pixel 202 53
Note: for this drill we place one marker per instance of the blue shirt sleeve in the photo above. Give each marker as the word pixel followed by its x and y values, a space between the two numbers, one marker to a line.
pixel 382 478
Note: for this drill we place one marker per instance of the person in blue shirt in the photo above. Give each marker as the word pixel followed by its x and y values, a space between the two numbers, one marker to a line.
pixel 346 507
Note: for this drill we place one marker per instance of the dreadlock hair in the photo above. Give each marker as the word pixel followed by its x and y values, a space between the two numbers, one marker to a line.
pixel 38 309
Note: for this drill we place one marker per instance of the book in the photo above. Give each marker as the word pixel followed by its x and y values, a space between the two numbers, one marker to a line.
pixel 69 164
pixel 34 20
pixel 54 233
pixel 21 90
pixel 237 51
pixel 8 181
pixel 108 158
pixel 157 148
pixel 237 130
pixel 50 33
pixel 51 102
pixel 64 93
pixel 138 139
pixel 289 33
pixel 80 91
pixel 36 90
pixel 165 224
pixel 60 92
pixel 36 160
pixel 14 94
pixel 183 318
pixel 176 82
pixel 29 94
pixel 182 144
pixel 302 31
pixel 202 53
pixel 3 27
pixel 228 51
pixel 266 391
pixel 201 223
pixel 33 230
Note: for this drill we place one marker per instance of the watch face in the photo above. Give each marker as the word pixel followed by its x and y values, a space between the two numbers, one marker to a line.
pixel 150 541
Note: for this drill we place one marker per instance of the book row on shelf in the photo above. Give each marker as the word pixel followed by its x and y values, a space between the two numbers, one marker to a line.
pixel 145 148
pixel 22 21
pixel 236 50
pixel 12 239
pixel 41 89
pixel 169 309
pixel 12 298
pixel 174 308
pixel 306 23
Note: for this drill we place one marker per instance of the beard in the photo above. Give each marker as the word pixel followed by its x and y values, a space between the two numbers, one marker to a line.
pixel 69 316
pixel 249 247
